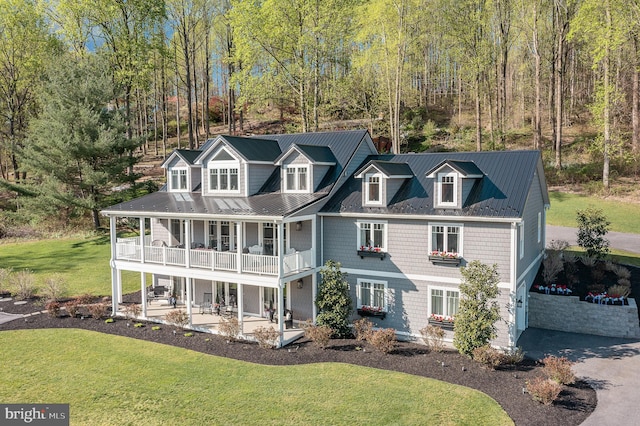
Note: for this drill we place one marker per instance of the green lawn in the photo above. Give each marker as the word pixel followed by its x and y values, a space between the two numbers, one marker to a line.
pixel 84 263
pixel 113 380
pixel 624 217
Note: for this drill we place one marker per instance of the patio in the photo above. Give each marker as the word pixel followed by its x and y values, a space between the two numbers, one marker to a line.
pixel 208 323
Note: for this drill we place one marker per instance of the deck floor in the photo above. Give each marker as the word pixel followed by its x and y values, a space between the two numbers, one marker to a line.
pixel 157 309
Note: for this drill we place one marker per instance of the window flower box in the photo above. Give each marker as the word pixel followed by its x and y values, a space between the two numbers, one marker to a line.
pixel 371 252
pixel 444 322
pixel 371 311
pixel 444 258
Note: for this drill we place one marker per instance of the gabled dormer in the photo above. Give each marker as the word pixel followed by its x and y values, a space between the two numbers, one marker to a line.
pixel 381 180
pixel 236 166
pixel 453 180
pixel 303 167
pixel 182 174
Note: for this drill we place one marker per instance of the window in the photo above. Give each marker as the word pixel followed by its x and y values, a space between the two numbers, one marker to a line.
pixel 372 293
pixel 179 179
pixel 444 302
pixel 373 189
pixel 447 184
pixel 372 234
pixel 446 239
pixel 223 179
pixel 296 179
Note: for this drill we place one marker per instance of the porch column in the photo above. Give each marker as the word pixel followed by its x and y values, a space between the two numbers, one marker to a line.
pixel 114 277
pixel 281 309
pixel 240 306
pixel 314 242
pixel 142 231
pixel 143 286
pixel 187 244
pixel 280 235
pixel 119 285
pixel 189 295
pixel 314 293
pixel 239 245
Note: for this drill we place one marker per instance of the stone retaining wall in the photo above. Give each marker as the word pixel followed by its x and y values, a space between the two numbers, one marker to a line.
pixel 568 313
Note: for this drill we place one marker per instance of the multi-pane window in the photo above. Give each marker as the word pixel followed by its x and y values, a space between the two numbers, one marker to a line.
pixel 373 189
pixel 296 178
pixel 447 185
pixel 179 179
pixel 445 239
pixel 444 302
pixel 372 234
pixel 373 294
pixel 223 179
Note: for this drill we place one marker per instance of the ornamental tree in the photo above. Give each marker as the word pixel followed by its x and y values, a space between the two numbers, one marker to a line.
pixel 333 300
pixel 478 311
pixel 592 228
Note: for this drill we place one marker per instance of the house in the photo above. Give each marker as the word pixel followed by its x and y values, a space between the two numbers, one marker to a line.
pixel 244 224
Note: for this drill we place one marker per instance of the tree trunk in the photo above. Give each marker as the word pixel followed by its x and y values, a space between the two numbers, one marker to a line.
pixel 558 89
pixel 478 114
pixel 607 106
pixel 537 120
pixel 635 112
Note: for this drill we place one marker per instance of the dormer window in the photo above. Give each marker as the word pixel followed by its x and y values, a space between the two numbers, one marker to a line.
pixel 373 189
pixel 296 178
pixel 179 179
pixel 447 185
pixel 223 179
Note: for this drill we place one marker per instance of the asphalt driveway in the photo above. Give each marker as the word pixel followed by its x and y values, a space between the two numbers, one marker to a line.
pixel 617 240
pixel 610 365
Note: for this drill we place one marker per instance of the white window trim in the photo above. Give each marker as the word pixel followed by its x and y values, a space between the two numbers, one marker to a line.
pixel 444 302
pixel 366 189
pixel 218 165
pixel 297 167
pixel 460 227
pixel 385 233
pixel 359 305
pixel 179 169
pixel 455 189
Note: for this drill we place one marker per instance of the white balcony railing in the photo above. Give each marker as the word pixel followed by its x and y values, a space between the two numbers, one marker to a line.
pixel 129 249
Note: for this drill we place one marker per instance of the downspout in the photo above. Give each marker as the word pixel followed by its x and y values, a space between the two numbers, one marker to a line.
pixel 114 274
pixel 513 283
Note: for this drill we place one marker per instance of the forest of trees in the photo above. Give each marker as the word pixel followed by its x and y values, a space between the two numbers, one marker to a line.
pixel 167 68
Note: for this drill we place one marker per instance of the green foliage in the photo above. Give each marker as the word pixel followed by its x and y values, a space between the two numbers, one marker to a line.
pixel 78 150
pixel 592 228
pixel 109 321
pixel 478 311
pixel 333 300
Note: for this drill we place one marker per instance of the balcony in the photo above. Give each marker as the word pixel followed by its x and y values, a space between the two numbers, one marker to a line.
pixel 128 249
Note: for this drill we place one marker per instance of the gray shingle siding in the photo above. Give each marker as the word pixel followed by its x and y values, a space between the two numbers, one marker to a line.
pixel 258 175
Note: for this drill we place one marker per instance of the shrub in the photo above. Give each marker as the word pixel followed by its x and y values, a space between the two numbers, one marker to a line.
pixel 97 310
pixel 552 266
pixel 622 272
pixel 23 284
pixel 488 356
pixel 383 340
pixel 188 334
pixel 433 337
pixel 333 300
pixel 132 310
pixel 155 328
pixel 229 327
pixel 319 334
pixel 177 317
pixel 619 290
pixel 267 337
pixel 109 321
pixel 362 329
pixel 513 356
pixel 479 309
pixel 85 299
pixel 592 229
pixel 54 287
pixel 72 307
pixel 53 308
pixel 543 390
pixel 138 325
pixel 559 370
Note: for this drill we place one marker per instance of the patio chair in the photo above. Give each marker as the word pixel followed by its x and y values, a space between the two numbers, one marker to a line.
pixel 255 249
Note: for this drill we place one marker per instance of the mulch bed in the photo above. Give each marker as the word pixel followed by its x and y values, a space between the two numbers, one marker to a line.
pixel 574 405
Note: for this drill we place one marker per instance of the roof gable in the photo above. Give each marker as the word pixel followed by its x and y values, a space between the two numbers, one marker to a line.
pixel 467 169
pixel 388 168
pixel 188 156
pixel 249 149
pixel 313 153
